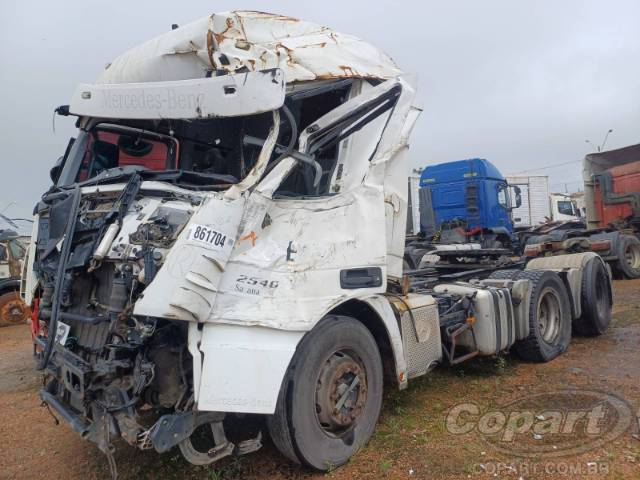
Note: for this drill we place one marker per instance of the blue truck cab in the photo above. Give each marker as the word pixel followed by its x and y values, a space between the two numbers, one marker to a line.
pixel 471 201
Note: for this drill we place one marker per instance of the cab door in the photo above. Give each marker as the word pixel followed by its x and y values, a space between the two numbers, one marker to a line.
pixel 302 252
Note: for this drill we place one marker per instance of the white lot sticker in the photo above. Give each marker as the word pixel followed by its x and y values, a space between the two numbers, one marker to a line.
pixel 62 332
pixel 209 237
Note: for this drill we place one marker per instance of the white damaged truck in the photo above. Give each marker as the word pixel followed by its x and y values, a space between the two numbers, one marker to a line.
pixel 225 236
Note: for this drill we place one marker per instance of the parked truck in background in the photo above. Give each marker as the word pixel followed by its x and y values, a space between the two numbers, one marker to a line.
pixel 539 205
pixel 563 207
pixel 12 250
pixel 534 195
pixel 612 204
pixel 225 237
pixel 528 203
pixel 471 203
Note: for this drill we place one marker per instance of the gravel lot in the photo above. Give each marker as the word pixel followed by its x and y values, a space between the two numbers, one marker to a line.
pixel 411 440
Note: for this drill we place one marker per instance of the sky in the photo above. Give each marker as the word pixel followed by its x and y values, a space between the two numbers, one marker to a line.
pixel 521 83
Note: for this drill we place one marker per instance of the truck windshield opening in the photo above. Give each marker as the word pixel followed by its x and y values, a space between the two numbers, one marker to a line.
pixel 210 150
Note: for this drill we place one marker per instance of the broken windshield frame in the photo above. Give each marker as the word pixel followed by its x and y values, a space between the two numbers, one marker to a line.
pixel 199 154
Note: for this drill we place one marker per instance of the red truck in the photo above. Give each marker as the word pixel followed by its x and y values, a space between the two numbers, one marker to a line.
pixel 612 198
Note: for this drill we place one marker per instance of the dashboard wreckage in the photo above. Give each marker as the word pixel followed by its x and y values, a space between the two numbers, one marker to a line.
pixel 225 236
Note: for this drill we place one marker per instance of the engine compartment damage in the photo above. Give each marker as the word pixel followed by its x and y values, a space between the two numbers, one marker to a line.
pixel 110 373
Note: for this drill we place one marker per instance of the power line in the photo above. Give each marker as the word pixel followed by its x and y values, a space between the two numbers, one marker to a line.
pixel 547 167
pixel 571 182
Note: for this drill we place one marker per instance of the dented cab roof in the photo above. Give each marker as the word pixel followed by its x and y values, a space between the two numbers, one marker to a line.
pixel 240 41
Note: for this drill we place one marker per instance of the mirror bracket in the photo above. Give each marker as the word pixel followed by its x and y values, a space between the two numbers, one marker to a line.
pixel 296 155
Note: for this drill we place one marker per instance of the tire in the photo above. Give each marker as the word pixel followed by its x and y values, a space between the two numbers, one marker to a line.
pixel 550 301
pixel 304 427
pixel 596 300
pixel 505 274
pixel 12 309
pixel 628 253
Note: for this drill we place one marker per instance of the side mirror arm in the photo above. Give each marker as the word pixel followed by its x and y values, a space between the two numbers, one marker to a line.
pixel 299 156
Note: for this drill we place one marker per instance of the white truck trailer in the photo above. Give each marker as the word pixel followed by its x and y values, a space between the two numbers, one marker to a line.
pixel 225 236
pixel 539 205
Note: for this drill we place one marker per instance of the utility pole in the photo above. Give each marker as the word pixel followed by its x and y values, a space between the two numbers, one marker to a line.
pixel 600 147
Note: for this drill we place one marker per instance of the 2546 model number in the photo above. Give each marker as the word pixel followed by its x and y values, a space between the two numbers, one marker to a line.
pixel 257 281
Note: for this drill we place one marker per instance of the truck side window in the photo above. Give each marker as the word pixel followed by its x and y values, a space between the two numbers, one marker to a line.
pixel 299 182
pixel 324 144
pixel 3 253
pixel 503 197
pixel 565 207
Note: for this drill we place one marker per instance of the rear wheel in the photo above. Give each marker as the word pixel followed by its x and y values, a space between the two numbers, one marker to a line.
pixel 549 317
pixel 596 300
pixel 628 252
pixel 12 309
pixel 330 399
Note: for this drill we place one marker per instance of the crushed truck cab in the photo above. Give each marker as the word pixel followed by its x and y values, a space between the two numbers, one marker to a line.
pixel 225 236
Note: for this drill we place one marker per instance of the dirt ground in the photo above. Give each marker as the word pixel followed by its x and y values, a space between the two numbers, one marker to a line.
pixel 411 440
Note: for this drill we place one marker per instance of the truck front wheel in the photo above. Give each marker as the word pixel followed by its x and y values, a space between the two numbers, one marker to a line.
pixel 331 396
pixel 12 309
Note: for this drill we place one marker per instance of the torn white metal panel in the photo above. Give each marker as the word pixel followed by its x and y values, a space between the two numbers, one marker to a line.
pixel 389 167
pixel 261 164
pixel 143 212
pixel 232 41
pixel 366 95
pixel 355 151
pixel 179 54
pixel 349 174
pixel 186 285
pixel 273 179
pixel 285 269
pixel 194 339
pixel 226 96
pixel 243 367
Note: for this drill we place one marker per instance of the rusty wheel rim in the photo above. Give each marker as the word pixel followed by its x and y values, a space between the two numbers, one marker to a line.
pixel 341 393
pixel 549 315
pixel 14 311
pixel 632 256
